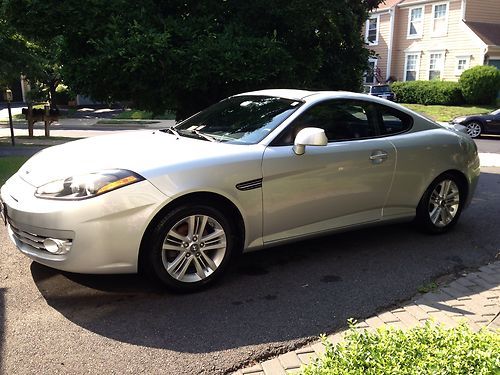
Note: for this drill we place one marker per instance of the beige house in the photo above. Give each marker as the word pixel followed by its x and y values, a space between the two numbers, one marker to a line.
pixel 432 39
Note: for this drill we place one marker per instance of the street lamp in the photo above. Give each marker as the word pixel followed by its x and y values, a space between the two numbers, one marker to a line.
pixel 8 98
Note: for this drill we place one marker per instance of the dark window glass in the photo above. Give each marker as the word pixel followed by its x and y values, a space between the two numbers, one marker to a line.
pixel 380 89
pixel 393 121
pixel 340 119
pixel 240 119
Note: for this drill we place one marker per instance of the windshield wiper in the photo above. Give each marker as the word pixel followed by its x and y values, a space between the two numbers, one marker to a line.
pixel 171 130
pixel 203 135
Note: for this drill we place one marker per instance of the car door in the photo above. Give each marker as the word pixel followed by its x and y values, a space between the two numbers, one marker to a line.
pixel 338 185
pixel 494 123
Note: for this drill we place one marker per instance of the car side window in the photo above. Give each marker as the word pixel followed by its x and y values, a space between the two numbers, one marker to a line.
pixel 393 121
pixel 342 120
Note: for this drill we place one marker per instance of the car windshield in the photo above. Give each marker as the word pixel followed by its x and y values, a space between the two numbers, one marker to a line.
pixel 496 112
pixel 380 89
pixel 239 119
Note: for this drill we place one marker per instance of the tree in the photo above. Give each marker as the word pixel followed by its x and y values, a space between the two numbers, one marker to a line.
pixel 185 54
pixel 16 55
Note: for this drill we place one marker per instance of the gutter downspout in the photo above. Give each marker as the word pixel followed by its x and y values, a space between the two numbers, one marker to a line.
pixel 391 40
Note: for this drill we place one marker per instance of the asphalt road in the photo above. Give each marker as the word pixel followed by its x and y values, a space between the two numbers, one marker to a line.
pixel 271 301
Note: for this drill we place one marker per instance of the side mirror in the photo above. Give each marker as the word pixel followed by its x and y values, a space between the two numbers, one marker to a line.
pixel 309 137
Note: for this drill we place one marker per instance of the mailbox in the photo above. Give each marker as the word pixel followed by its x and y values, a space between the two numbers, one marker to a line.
pixel 8 95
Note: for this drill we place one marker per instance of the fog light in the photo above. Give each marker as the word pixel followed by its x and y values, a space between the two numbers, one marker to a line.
pixel 55 246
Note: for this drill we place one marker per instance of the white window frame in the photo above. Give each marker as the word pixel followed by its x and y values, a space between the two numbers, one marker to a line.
pixel 440 66
pixel 415 36
pixel 417 64
pixel 377 17
pixel 459 72
pixel 375 62
pixel 433 19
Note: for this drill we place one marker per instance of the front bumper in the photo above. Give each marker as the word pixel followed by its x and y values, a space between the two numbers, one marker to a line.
pixel 105 232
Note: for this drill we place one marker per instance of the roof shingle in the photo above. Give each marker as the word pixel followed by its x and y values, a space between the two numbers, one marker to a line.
pixel 488 32
pixel 386 4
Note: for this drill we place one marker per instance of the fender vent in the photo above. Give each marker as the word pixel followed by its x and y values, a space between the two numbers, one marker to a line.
pixel 249 185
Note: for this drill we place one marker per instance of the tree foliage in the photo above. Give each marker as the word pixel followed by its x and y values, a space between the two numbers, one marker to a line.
pixel 186 54
pixel 16 54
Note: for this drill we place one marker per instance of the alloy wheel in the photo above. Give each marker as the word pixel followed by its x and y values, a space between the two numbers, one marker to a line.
pixel 474 129
pixel 194 248
pixel 444 202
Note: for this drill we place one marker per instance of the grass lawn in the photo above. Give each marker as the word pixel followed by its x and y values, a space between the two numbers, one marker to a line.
pixel 446 113
pixel 9 165
pixel 125 122
pixel 24 140
pixel 134 114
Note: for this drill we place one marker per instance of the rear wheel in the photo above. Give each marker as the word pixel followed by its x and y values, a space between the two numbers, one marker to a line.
pixel 190 247
pixel 474 129
pixel 441 204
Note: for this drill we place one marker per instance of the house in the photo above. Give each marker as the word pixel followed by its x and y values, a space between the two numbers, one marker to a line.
pixel 431 39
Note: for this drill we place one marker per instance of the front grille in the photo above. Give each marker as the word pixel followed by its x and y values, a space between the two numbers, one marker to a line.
pixel 33 240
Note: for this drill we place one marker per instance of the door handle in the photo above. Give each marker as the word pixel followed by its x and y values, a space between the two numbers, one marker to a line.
pixel 379 156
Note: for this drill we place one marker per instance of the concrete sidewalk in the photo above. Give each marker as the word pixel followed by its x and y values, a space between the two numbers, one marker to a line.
pixel 474 298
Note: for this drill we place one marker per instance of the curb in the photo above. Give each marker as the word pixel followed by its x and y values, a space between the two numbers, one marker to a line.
pixel 474 298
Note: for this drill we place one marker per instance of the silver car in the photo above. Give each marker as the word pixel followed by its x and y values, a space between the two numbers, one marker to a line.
pixel 252 171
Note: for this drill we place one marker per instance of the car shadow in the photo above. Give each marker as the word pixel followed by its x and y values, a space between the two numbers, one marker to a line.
pixel 288 293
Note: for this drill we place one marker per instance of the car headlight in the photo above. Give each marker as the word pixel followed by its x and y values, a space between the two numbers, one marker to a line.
pixel 88 186
pixel 458 120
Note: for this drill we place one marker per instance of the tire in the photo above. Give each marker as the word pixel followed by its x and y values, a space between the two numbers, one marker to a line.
pixel 435 214
pixel 190 248
pixel 474 129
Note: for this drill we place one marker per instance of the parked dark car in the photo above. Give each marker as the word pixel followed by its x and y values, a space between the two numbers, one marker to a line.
pixel 382 91
pixel 480 124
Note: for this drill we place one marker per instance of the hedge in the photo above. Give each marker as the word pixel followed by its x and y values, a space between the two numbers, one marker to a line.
pixel 480 84
pixel 430 349
pixel 428 92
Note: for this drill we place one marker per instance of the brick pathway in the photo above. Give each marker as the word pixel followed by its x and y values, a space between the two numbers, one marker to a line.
pixel 474 297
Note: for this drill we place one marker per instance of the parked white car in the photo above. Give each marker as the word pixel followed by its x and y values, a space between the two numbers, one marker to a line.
pixel 255 170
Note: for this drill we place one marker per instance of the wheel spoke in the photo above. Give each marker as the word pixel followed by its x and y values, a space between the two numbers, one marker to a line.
pixel 191 226
pixel 174 234
pixel 434 214
pixel 167 246
pixel 201 226
pixel 210 262
pixel 444 216
pixel 179 266
pixel 217 233
pixel 199 269
pixel 445 188
pixel 215 246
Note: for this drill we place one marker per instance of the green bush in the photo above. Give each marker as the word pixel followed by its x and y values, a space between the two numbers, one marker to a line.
pixel 428 92
pixel 63 95
pixel 480 84
pixel 430 349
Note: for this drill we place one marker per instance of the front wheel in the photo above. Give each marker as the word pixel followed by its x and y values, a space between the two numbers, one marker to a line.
pixel 190 247
pixel 441 204
pixel 474 129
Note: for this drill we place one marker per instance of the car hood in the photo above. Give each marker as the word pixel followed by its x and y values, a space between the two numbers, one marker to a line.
pixel 144 152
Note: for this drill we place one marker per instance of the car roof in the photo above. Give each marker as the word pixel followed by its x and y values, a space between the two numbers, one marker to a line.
pixel 316 96
pixel 304 95
pixel 293 94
